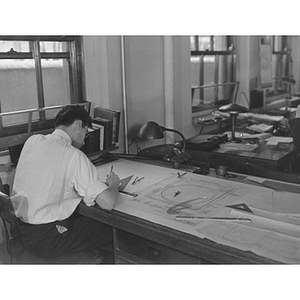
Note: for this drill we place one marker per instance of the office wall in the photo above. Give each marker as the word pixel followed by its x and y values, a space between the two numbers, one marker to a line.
pixel 145 63
pixel 103 73
pixel 182 93
pixel 145 81
pixel 248 65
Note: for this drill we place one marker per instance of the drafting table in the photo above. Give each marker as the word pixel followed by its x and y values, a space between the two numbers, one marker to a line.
pixel 146 229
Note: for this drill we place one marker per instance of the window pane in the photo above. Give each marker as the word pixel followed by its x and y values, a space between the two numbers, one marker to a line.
pixel 220 43
pixel 19 46
pixel 195 69
pixel 278 43
pixel 209 94
pixel 193 43
pixel 53 46
pixel 56 83
pixel 18 89
pixel 204 43
pixel 209 70
pixel 206 99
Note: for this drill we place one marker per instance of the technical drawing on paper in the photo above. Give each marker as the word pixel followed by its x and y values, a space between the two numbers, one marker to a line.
pixel 189 195
pixel 275 218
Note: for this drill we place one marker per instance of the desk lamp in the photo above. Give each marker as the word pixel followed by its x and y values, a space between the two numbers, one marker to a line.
pixel 151 130
pixel 233 109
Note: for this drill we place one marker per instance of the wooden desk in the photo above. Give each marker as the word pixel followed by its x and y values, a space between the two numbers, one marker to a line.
pixel 273 158
pixel 279 158
pixel 138 240
pixel 142 242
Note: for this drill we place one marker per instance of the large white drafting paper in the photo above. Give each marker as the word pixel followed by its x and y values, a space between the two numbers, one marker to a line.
pixel 274 231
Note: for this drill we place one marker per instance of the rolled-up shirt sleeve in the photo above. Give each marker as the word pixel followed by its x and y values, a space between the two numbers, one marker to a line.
pixel 85 180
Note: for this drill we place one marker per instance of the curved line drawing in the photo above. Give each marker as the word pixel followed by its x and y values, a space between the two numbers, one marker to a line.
pixel 192 192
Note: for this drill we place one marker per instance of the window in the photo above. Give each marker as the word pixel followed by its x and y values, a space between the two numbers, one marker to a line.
pixel 213 71
pixel 38 72
pixel 281 66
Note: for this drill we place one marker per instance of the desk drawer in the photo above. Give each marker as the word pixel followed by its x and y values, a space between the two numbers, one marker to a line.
pixel 130 248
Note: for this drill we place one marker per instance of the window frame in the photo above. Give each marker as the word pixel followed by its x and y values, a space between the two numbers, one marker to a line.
pixel 74 56
pixel 282 55
pixel 216 85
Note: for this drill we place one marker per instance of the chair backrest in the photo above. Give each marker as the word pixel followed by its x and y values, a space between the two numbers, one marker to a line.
pixel 4 188
pixel 6 206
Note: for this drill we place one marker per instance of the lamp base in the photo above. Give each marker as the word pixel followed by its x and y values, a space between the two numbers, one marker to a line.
pixel 176 165
pixel 158 151
pixel 235 140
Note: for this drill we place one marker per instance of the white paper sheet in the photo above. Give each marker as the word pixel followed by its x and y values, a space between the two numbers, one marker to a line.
pixel 273 232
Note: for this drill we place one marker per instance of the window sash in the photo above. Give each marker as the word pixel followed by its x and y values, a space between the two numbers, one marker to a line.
pixel 73 56
pixel 30 113
pixel 223 76
pixel 280 67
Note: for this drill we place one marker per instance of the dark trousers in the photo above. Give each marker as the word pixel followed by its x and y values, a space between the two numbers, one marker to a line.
pixel 75 234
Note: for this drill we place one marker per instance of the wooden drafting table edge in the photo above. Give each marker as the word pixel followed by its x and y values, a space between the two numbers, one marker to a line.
pixel 203 249
pixel 165 235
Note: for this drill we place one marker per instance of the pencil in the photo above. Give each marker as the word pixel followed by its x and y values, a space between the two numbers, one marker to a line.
pixel 138 180
pixel 128 193
pixel 213 218
pixel 111 168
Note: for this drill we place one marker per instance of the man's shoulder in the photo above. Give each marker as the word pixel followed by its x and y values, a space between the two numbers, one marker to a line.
pixel 77 153
pixel 33 140
pixel 38 136
pixel 80 160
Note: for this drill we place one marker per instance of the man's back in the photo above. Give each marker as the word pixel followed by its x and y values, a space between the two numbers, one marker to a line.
pixel 42 179
pixel 52 177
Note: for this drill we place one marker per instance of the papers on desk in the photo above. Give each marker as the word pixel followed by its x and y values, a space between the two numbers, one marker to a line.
pixel 290 109
pixel 262 117
pixel 260 127
pixel 274 140
pixel 238 146
pixel 243 135
pixel 274 230
pixel 266 118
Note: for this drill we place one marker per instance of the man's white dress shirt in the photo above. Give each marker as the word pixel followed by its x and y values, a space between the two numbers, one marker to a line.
pixel 51 179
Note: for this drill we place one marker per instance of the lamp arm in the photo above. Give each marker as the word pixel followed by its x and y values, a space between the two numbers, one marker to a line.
pixel 176 131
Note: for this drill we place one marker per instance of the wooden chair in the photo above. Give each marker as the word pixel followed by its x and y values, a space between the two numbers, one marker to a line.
pixel 18 254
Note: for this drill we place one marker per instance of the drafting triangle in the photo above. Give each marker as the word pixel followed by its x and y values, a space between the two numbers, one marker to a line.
pixel 124 182
pixel 241 206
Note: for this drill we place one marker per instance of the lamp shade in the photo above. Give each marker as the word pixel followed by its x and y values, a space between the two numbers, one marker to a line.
pixel 233 109
pixel 150 131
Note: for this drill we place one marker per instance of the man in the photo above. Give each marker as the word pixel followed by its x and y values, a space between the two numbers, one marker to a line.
pixel 52 177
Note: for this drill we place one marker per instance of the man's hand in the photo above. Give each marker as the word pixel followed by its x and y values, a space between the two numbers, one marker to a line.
pixel 113 180
pixel 108 198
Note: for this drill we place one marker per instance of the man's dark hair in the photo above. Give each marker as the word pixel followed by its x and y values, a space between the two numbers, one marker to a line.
pixel 70 113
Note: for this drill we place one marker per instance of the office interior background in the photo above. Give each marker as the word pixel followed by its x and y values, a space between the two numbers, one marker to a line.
pixel 146 78
pixel 172 80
